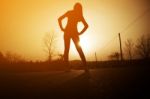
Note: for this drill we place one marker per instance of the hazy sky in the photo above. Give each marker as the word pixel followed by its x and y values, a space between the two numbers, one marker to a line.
pixel 23 24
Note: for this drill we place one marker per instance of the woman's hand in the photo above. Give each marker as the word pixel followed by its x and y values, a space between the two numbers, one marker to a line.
pixel 84 29
pixel 62 29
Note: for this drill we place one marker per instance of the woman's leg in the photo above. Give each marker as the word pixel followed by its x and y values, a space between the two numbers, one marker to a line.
pixel 66 50
pixel 80 51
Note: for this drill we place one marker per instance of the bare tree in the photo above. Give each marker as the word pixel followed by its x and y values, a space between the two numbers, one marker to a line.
pixel 49 44
pixel 13 57
pixel 143 47
pixel 114 56
pixel 129 48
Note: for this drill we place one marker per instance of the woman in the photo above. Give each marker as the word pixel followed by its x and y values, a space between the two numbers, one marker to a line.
pixel 71 32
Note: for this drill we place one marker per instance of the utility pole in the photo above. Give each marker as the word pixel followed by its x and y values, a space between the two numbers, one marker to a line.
pixel 121 54
pixel 95 57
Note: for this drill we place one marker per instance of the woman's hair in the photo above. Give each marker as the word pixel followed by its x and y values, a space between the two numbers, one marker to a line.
pixel 78 8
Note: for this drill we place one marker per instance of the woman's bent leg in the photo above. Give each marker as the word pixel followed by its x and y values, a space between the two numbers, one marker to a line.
pixel 80 51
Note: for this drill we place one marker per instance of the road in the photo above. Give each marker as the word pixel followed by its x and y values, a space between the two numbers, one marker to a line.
pixel 104 83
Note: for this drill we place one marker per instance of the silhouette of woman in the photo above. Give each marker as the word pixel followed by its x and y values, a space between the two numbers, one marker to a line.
pixel 71 31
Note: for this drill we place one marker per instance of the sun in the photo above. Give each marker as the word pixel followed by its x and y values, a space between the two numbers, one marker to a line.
pixel 84 43
pixel 84 40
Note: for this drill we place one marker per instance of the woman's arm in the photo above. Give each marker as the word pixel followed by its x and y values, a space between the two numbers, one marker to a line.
pixel 60 21
pixel 85 26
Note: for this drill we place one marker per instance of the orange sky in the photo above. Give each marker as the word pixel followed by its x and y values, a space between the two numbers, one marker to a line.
pixel 23 24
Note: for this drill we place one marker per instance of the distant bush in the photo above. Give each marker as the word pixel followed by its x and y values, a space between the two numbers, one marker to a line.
pixel 2 58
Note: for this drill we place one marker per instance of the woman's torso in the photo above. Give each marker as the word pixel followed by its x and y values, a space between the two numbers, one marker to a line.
pixel 71 27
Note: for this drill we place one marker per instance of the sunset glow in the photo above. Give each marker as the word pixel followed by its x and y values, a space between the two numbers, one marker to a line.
pixel 25 22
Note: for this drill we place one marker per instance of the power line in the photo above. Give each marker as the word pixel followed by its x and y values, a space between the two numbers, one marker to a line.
pixel 134 21
pixel 128 26
pixel 110 41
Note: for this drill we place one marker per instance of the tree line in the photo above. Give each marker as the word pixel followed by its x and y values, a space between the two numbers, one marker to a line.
pixel 134 50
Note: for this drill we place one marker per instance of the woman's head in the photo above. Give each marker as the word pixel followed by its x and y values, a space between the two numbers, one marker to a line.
pixel 78 8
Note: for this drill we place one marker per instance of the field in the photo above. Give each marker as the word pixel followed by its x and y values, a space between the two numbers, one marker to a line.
pixel 105 81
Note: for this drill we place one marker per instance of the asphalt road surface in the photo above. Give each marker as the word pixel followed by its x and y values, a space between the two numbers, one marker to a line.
pixel 102 83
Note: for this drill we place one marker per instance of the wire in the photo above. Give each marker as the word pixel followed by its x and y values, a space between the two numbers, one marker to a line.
pixel 128 26
pixel 134 21
pixel 109 42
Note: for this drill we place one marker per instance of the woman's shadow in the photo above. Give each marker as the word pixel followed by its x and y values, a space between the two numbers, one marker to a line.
pixel 79 86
